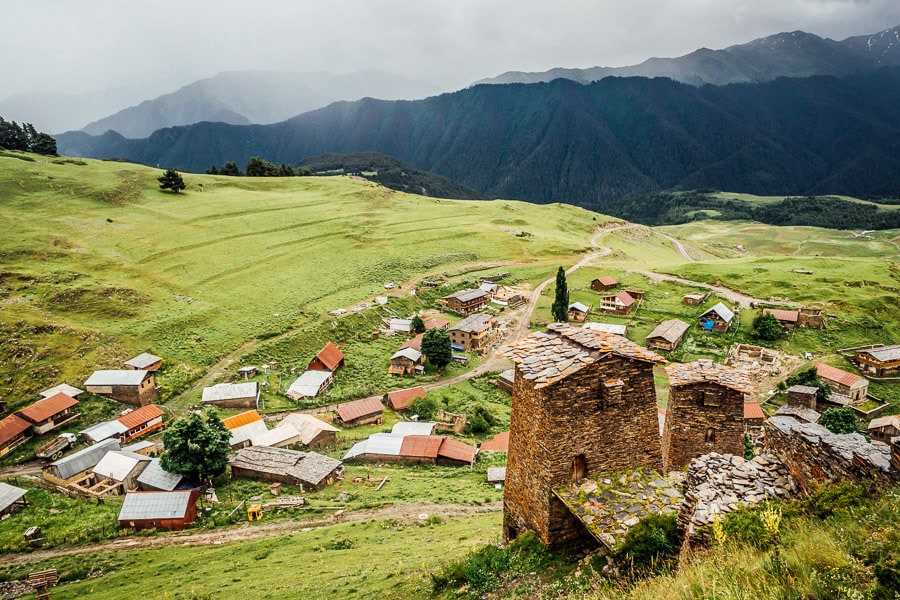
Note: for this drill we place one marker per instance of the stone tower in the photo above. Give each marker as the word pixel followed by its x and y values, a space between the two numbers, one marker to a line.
pixel 705 412
pixel 584 404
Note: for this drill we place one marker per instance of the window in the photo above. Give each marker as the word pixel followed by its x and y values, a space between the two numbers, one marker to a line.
pixel 711 399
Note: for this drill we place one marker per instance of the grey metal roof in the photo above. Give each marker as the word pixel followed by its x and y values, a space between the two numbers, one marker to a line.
pixel 156 477
pixel 104 430
pixel 607 327
pixel 401 324
pixel 404 428
pixel 309 383
pixel 475 323
pixel 378 443
pixel 496 474
pixel 84 459
pixel 142 506
pixel 230 391
pixel 118 465
pixel 885 354
pixel 721 310
pixel 283 435
pixel 116 377
pixel 468 295
pixel 410 353
pixel 247 432
pixel 579 307
pixel 137 446
pixel 9 494
pixel 64 388
pixel 142 361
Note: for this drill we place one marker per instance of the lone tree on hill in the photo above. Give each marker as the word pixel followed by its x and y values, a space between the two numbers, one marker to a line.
pixel 560 308
pixel 196 448
pixel 436 347
pixel 171 180
pixel 766 327
pixel 418 325
pixel 839 420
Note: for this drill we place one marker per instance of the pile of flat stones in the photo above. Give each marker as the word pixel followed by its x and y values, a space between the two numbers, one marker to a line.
pixel 723 483
pixel 15 589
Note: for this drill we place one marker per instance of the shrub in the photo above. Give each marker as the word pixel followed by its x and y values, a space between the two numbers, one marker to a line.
pixel 425 406
pixel 839 420
pixel 839 497
pixel 652 541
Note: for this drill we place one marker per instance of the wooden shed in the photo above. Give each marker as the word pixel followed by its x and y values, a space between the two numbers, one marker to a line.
pixel 329 358
pixel 406 361
pixel 578 312
pixel 164 511
pixel 880 362
pixel 667 335
pixel 401 399
pixel 144 362
pixel 603 284
pixel 717 319
pixel 360 412
pixel 232 395
pixel 885 428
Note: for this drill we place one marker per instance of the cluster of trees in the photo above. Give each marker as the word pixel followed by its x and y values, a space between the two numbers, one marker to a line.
pixel 197 447
pixel 257 167
pixel 25 138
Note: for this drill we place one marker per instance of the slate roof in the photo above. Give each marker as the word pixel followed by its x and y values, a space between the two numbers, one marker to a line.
pixel 148 506
pixel 546 358
pixel 670 330
pixel 467 295
pixel 65 388
pixel 307 467
pixel 802 412
pixel 330 356
pixel 607 327
pixel 156 477
pixel 410 353
pixel 474 323
pixel 790 316
pixel 350 411
pixel 885 354
pixel 9 494
pixel 116 377
pixel 104 430
pixel 142 361
pixel 401 399
pixel 837 375
pixel 84 459
pixel 12 426
pixel 139 416
pixel 707 370
pixel 579 307
pixel 404 428
pixel 752 410
pixel 309 382
pixel 117 464
pixel 223 392
pixel 720 309
pixel 803 389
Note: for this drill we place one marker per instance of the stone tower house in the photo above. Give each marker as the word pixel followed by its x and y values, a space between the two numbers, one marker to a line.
pixel 584 404
pixel 705 412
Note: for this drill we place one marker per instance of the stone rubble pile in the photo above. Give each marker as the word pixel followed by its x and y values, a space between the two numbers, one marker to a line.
pixel 722 483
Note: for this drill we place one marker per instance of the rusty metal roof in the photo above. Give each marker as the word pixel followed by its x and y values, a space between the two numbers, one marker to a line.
pixel 707 370
pixel 139 416
pixel 12 426
pixel 330 356
pixel 455 450
pixel 499 443
pixel 46 408
pixel 401 399
pixel 783 315
pixel 837 375
pixel 425 446
pixel 350 411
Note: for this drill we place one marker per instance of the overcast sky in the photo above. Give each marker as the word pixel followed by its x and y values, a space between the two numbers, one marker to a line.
pixel 75 46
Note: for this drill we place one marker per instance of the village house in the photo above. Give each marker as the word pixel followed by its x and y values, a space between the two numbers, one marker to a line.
pixel 843 383
pixel 163 511
pixel 465 302
pixel 505 380
pixel 473 332
pixel 116 473
pixel 232 395
pixel 505 296
pixel 298 429
pixel 489 288
pixel 78 464
pixel 144 362
pixel 140 422
pixel 607 327
pixel 63 388
pixel 50 413
pixel 414 342
pixel 884 428
pixel 130 387
pixel 14 431
pixel 695 298
pixel 754 418
pixel 401 325
pixel 802 395
pixel 307 470
pixel 705 412
pixel 360 412
pixel 880 362
pixel 578 312
pixel 618 305
pixel 412 449
pixel 406 361
pixel 787 318
pixel 329 358
pixel 248 372
pixel 244 427
pixel 401 399
pixel 309 385
pixel 667 335
pixel 581 386
pixel 156 479
pixel 603 284
pixel 12 498
pixel 717 319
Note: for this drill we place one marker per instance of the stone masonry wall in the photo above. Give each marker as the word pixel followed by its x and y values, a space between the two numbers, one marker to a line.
pixel 701 418
pixel 813 454
pixel 576 421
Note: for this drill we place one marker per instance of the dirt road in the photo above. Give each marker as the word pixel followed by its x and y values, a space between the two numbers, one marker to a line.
pixel 739 298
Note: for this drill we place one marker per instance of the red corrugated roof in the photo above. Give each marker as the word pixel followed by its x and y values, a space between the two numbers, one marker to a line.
pixel 608 281
pixel 499 443
pixel 414 343
pixel 139 416
pixel 245 418
pixel 359 408
pixel 753 410
pixel 330 356
pixel 425 446
pixel 12 426
pixel 625 298
pixel 783 315
pixel 457 451
pixel 46 408
pixel 401 399
pixel 436 324
pixel 837 375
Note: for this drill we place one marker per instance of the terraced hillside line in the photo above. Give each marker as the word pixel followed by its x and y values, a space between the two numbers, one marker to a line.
pixel 741 299
pixel 406 513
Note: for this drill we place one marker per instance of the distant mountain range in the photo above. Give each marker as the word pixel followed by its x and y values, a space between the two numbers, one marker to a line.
pixel 245 97
pixel 591 145
pixel 794 54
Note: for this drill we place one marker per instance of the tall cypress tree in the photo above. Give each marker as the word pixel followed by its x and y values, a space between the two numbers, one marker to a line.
pixel 560 308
